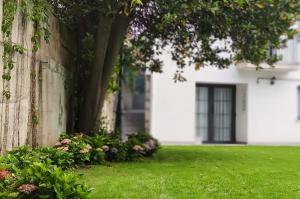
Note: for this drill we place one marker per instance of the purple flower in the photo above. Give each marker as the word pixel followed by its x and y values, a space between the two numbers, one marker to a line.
pixel 150 145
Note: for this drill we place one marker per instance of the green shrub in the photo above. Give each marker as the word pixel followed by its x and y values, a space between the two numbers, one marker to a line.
pixel 141 144
pixel 114 149
pixel 19 158
pixel 94 149
pixel 91 149
pixel 41 180
pixel 38 173
pixel 56 157
pixel 80 146
pixel 24 156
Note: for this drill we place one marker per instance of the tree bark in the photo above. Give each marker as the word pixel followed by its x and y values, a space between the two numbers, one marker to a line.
pixel 116 40
pixel 110 35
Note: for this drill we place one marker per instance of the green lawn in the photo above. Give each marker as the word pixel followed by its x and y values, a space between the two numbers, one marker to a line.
pixel 202 172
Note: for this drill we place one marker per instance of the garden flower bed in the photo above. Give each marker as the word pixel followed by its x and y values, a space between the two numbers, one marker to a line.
pixel 46 172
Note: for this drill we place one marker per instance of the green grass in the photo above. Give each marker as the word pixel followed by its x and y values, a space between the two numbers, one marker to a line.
pixel 202 172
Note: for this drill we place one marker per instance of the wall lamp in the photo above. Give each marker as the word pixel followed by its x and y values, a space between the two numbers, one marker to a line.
pixel 274 79
pixel 271 79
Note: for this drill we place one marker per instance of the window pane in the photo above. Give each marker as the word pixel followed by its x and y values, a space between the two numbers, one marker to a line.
pixel 202 113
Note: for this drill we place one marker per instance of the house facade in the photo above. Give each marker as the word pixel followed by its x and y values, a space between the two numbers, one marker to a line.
pixel 235 105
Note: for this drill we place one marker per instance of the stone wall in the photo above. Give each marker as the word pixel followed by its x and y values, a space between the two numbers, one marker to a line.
pixel 36 113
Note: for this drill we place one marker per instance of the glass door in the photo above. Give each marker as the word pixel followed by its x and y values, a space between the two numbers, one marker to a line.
pixel 215 114
pixel 202 114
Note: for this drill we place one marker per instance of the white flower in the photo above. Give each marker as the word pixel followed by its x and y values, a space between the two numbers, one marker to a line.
pixel 105 148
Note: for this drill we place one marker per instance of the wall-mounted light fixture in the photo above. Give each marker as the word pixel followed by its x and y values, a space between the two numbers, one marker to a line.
pixel 274 79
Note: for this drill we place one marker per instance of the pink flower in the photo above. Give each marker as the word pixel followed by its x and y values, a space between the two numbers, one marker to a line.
pixel 4 174
pixel 66 141
pixel 27 188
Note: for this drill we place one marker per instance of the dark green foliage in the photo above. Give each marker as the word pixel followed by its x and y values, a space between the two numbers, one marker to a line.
pixel 116 150
pixel 61 159
pixel 41 171
pixel 92 149
pixel 18 159
pixel 22 157
pixel 40 180
pixel 141 144
pixel 191 28
pixel 38 173
pixel 80 147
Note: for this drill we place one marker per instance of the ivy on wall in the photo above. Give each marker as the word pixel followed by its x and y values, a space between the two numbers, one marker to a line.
pixel 35 11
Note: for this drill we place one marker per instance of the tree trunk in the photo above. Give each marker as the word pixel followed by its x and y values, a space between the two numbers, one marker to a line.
pixel 110 35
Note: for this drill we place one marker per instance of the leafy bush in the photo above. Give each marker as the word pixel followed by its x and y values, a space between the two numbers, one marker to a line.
pixel 56 157
pixel 81 149
pixel 114 148
pixel 92 149
pixel 41 180
pixel 24 156
pixel 19 158
pixel 141 144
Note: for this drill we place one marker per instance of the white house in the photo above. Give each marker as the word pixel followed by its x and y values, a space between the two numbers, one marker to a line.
pixel 234 105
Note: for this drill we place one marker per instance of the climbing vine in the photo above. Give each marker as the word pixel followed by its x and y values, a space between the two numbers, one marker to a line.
pixel 35 11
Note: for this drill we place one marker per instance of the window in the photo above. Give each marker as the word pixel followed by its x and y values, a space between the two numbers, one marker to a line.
pixel 271 51
pixel 298 102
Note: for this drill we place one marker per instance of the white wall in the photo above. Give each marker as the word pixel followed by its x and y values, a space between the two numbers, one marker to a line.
pixel 273 113
pixel 270 116
pixel 173 107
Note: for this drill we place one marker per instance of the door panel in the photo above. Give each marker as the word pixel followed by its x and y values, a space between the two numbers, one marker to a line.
pixel 202 113
pixel 222 114
pixel 215 113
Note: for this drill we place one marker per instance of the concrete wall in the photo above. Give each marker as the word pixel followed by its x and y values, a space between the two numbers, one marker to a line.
pixel 242 113
pixel 38 87
pixel 265 113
